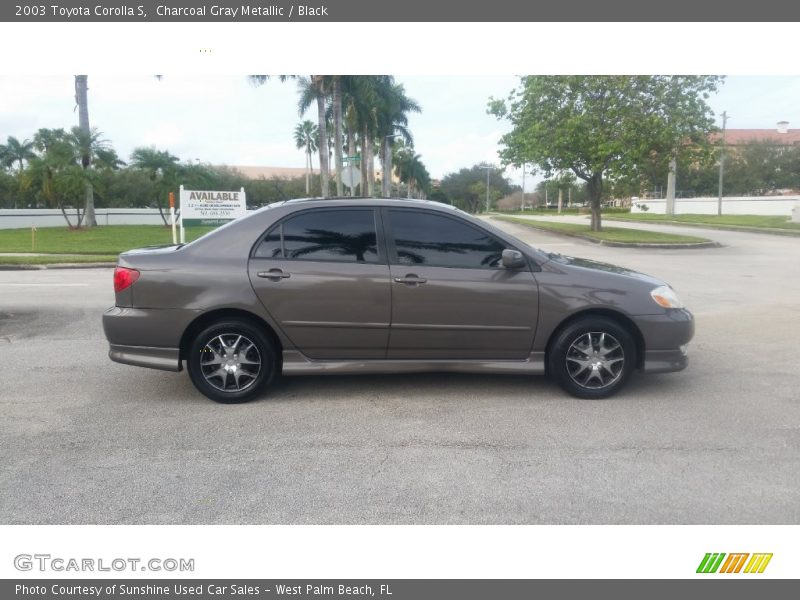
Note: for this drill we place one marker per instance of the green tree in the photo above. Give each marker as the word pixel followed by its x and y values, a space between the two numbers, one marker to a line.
pixel 305 138
pixel 162 169
pixel 603 127
pixel 411 171
pixel 467 187
pixel 15 152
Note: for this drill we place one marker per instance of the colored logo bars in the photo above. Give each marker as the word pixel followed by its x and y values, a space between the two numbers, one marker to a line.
pixel 713 563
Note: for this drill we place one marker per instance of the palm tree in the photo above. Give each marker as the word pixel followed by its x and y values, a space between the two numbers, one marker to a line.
pixel 359 100
pixel 57 170
pixel 314 89
pixel 82 102
pixel 337 130
pixel 392 118
pixel 362 97
pixel 162 169
pixel 16 152
pixel 305 138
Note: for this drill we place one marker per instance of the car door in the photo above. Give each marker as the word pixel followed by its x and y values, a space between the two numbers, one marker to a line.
pixel 323 276
pixel 451 298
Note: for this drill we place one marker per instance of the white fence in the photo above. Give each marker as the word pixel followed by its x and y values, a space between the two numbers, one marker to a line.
pixel 15 218
pixel 768 205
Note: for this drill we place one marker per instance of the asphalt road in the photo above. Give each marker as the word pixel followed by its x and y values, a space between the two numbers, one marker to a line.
pixel 84 440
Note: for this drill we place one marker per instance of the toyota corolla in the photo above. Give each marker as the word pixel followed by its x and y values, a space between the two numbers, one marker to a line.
pixel 385 286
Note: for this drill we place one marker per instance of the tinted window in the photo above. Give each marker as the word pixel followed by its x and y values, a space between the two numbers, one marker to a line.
pixel 340 235
pixel 428 239
pixel 270 247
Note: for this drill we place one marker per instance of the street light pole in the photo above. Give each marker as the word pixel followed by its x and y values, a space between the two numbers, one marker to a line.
pixel 722 162
pixel 488 171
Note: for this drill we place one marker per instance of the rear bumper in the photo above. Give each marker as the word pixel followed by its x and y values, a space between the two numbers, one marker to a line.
pixel 166 359
pixel 146 337
pixel 666 338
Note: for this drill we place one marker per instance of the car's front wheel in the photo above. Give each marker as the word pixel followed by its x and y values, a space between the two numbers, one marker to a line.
pixel 231 361
pixel 592 357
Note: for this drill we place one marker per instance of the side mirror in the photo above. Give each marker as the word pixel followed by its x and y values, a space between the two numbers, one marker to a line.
pixel 512 259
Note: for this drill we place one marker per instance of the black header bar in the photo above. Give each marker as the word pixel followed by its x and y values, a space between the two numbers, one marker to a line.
pixel 405 11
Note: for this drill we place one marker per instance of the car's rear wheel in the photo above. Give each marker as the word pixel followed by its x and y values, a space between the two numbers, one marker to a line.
pixel 592 357
pixel 231 361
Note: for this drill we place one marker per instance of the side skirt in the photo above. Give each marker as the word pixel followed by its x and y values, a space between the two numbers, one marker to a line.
pixel 294 363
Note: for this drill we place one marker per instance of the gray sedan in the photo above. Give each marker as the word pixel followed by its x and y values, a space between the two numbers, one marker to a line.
pixel 385 286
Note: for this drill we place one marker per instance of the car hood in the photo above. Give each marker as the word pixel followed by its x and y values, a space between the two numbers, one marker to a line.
pixel 593 265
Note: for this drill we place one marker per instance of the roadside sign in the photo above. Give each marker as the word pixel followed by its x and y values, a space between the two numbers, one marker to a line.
pixel 210 207
pixel 351 176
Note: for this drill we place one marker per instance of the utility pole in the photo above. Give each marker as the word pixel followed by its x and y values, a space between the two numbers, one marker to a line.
pixel 722 162
pixel 522 203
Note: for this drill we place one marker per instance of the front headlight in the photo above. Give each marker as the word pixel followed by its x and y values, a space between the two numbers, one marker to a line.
pixel 666 297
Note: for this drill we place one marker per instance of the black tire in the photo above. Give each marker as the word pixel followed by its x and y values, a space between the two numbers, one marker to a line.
pixel 592 357
pixel 222 361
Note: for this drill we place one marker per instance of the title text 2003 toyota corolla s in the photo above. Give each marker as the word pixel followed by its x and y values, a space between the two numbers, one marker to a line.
pixel 385 286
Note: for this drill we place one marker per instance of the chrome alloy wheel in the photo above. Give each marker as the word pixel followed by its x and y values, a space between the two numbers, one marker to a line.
pixel 230 362
pixel 595 360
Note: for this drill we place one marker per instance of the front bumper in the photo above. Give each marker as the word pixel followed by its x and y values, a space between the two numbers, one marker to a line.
pixel 666 338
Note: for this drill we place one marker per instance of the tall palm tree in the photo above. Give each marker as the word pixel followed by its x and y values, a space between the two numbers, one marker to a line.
pixel 315 90
pixel 305 138
pixel 337 130
pixel 362 97
pixel 82 102
pixel 392 119
pixel 359 99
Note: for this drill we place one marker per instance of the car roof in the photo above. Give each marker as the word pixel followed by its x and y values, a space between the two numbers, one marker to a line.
pixel 367 201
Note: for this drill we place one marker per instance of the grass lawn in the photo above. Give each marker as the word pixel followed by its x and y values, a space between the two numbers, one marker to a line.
pixel 765 222
pixel 552 212
pixel 610 234
pixel 50 259
pixel 102 240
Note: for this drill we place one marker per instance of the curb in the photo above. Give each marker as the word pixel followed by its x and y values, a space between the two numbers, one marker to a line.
pixel 668 246
pixel 58 266
pixel 745 228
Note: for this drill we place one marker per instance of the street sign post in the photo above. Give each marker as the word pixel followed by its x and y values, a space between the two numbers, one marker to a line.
pixel 351 176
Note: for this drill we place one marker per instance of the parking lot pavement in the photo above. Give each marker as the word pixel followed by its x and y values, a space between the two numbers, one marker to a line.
pixel 84 440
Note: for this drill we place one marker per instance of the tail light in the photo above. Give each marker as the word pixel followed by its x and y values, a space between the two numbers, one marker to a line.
pixel 124 278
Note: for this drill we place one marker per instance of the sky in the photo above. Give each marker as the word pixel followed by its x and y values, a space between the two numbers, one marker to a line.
pixel 220 119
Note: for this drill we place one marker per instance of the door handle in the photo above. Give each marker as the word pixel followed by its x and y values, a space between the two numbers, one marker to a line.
pixel 410 279
pixel 274 274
